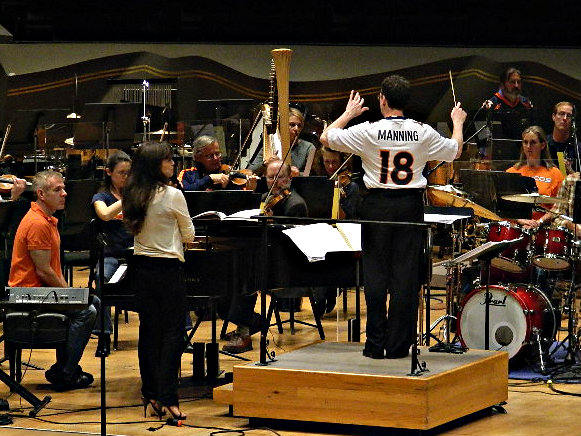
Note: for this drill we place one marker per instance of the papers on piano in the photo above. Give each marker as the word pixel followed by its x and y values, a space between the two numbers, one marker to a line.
pixel 215 215
pixel 316 240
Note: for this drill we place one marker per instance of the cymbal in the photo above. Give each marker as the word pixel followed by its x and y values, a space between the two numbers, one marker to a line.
pixel 533 198
pixel 443 198
pixel 449 188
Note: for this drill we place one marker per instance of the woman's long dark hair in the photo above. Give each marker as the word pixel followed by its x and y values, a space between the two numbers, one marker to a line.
pixel 114 159
pixel 144 179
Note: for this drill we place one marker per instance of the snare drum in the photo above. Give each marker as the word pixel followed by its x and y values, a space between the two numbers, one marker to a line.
pixel 516 257
pixel 517 313
pixel 552 249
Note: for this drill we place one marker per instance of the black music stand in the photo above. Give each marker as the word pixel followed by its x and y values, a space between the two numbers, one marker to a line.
pixel 107 124
pixel 509 123
pixel 317 192
pixel 226 201
pixel 218 109
pixel 487 188
pixel 22 136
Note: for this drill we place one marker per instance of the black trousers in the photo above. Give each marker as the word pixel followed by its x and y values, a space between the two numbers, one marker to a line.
pixel 391 261
pixel 159 286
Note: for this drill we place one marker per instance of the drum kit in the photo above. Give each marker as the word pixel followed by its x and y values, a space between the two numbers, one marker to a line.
pixel 522 318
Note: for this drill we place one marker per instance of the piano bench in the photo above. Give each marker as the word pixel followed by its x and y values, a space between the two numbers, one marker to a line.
pixel 32 330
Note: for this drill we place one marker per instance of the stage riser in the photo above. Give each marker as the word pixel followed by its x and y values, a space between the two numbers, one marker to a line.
pixel 374 399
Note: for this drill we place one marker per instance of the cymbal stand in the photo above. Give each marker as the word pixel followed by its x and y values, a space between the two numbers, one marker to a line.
pixel 145 118
pixel 572 339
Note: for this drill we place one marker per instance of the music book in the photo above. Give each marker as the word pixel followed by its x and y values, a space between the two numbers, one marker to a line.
pixel 216 215
pixel 316 240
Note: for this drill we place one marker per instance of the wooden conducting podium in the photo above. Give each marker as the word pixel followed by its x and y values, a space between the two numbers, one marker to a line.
pixel 333 382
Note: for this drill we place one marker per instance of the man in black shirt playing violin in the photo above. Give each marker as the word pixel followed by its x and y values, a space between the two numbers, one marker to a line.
pixel 282 201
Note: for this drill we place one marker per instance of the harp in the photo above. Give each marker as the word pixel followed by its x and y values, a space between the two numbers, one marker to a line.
pixel 281 58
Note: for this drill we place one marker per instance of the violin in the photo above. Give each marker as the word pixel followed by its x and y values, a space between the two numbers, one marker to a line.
pixel 273 200
pixel 7 182
pixel 237 177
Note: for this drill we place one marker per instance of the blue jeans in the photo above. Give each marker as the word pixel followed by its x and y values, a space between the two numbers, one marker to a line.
pixel 81 325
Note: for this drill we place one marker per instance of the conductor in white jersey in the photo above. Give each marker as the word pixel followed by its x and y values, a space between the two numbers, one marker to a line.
pixel 393 151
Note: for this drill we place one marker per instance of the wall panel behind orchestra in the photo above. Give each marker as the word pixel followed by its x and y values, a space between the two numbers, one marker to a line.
pixel 201 78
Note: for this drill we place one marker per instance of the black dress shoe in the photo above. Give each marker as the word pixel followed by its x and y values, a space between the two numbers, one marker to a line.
pixel 238 344
pixel 396 355
pixel 373 354
pixel 80 381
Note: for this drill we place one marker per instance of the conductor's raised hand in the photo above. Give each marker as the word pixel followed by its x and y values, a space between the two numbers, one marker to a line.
pixel 355 105
pixel 458 114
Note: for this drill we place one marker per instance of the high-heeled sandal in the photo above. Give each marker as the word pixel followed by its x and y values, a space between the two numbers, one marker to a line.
pixel 157 408
pixel 180 417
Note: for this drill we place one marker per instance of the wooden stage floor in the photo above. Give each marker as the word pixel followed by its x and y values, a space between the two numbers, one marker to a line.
pixel 532 408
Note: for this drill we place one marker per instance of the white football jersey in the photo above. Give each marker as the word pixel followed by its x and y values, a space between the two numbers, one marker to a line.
pixel 394 150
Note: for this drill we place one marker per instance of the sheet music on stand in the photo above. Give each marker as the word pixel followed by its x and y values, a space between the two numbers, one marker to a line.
pixel 316 240
pixel 118 274
pixel 486 248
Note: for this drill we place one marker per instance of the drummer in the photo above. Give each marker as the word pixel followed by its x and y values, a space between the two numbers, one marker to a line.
pixel 535 161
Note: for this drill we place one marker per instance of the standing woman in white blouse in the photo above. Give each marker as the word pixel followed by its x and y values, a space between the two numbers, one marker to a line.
pixel 158 217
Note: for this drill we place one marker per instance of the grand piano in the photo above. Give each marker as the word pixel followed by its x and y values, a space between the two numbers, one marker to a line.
pixel 245 256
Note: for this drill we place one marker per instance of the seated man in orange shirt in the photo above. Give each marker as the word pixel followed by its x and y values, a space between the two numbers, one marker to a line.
pixel 36 263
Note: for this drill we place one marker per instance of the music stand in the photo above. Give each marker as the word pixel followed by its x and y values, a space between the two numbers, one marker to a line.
pixel 226 201
pixel 117 121
pixel 504 153
pixel 23 131
pixel 218 109
pixel 487 187
pixel 511 122
pixel 317 192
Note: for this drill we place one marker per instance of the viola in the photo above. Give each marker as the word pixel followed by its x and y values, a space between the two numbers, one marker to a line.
pixel 344 179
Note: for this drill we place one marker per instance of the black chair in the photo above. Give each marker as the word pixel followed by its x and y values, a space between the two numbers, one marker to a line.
pixel 291 294
pixel 75 228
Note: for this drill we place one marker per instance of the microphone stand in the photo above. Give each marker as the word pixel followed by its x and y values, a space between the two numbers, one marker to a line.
pixel 145 118
pixel 574 139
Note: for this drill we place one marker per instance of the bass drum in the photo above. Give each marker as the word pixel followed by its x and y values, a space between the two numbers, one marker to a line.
pixel 517 314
